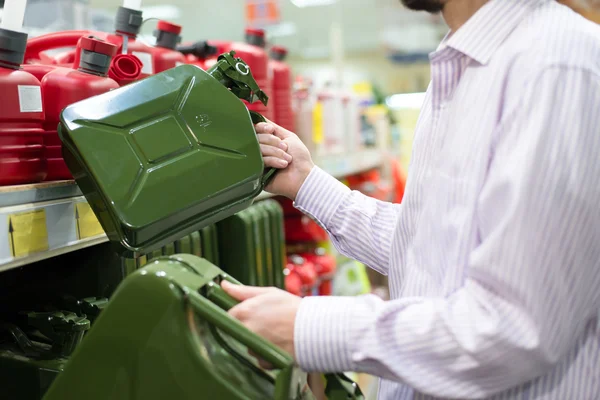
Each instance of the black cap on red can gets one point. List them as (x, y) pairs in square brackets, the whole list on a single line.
[(256, 37), (96, 55), (278, 53), (167, 34), (128, 21), (12, 48)]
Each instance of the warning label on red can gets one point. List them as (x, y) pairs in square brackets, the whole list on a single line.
[(30, 98)]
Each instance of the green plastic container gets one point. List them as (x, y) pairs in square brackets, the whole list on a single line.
[(180, 343), (237, 233), (167, 155)]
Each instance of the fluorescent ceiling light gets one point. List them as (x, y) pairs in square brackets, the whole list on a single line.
[(312, 3), (405, 100)]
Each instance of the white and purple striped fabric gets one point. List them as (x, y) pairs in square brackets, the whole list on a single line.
[(494, 255)]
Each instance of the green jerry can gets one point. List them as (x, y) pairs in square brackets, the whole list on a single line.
[(277, 239), (236, 247), (184, 245), (180, 343), (210, 239), (258, 234), (196, 240), (169, 249), (267, 243), (34, 351), (167, 155)]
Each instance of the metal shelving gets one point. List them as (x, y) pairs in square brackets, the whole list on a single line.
[(45, 220)]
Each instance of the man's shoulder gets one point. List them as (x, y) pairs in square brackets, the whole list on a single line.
[(555, 36), (552, 36)]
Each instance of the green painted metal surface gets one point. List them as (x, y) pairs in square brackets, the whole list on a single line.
[(169, 249), (165, 334), (264, 221), (258, 236), (237, 249), (277, 239), (196, 240), (184, 245), (168, 155)]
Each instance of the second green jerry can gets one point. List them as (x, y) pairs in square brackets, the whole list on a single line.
[(168, 155)]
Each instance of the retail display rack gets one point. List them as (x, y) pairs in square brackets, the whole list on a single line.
[(44, 220)]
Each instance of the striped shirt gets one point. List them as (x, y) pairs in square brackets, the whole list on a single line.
[(493, 257)]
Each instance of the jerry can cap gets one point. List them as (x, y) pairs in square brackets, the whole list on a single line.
[(167, 34), (255, 37), (12, 48), (278, 53), (128, 21), (97, 45), (168, 27)]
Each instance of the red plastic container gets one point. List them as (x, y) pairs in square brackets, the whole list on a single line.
[(325, 265), (303, 271), (64, 86), (21, 116), (164, 54), (282, 88), (128, 22)]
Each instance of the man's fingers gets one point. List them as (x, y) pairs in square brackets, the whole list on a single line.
[(263, 364), (271, 128), (267, 150), (241, 292), (274, 162), (272, 140)]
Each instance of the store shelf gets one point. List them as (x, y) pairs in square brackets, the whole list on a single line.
[(343, 165), (45, 220)]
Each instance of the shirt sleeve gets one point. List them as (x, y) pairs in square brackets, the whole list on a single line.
[(531, 289), (360, 227)]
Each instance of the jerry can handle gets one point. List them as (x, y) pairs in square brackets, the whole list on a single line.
[(270, 174), (216, 316)]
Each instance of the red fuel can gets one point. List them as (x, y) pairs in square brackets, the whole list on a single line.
[(164, 54), (21, 115), (127, 26), (64, 86), (325, 265), (282, 88)]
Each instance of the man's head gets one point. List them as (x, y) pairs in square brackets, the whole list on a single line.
[(432, 6)]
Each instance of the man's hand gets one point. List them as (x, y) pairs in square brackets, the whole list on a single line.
[(284, 150), (268, 312)]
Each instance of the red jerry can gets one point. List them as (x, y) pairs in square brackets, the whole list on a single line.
[(21, 115)]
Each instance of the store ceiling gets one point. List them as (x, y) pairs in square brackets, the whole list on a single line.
[(305, 31)]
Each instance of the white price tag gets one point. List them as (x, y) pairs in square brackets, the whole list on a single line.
[(146, 59), (30, 98)]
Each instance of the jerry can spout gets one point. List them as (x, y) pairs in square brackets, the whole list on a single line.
[(235, 74)]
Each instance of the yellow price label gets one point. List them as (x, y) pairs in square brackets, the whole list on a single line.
[(87, 223), (27, 232), (318, 135)]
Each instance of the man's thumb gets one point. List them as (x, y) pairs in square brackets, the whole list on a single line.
[(241, 292)]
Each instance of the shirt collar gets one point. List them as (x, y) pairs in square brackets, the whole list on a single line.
[(487, 29)]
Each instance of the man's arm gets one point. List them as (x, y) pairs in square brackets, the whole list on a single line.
[(532, 284), (359, 226)]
